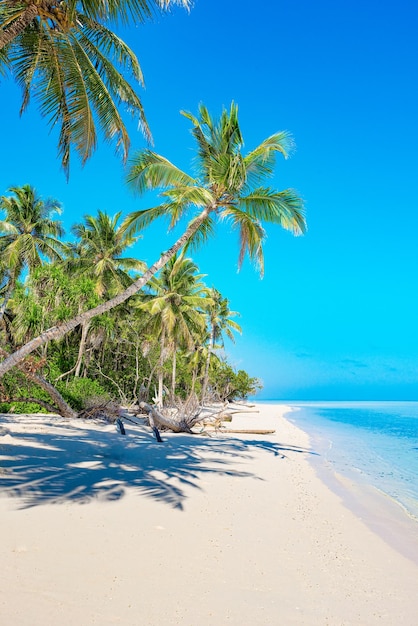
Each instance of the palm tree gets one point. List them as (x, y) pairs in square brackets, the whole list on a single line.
[(17, 16), (228, 186), (98, 252), (62, 53), (28, 234), (98, 255), (219, 322), (176, 307)]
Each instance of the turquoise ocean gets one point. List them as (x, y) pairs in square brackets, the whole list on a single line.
[(374, 443)]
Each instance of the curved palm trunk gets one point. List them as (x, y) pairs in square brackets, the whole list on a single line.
[(57, 332), (63, 407), (18, 26)]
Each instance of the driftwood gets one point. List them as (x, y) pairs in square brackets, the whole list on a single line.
[(248, 431), (177, 426)]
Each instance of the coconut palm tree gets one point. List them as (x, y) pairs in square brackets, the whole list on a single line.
[(98, 255), (27, 234), (220, 322), (228, 186), (176, 304), (102, 241), (62, 53), (17, 16)]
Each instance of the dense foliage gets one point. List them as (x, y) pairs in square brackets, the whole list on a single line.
[(156, 344)]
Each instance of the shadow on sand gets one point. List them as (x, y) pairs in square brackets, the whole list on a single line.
[(50, 460)]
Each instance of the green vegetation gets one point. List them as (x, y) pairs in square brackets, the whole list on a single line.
[(99, 323), (228, 187), (63, 55)]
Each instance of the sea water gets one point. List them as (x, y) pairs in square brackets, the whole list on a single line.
[(375, 443)]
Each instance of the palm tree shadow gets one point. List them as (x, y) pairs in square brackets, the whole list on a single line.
[(51, 461)]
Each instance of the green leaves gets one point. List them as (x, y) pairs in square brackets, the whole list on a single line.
[(78, 79), (228, 184)]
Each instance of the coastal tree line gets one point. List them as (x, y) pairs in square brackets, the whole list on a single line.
[(86, 314), (165, 341)]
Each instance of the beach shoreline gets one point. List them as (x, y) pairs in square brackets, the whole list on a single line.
[(382, 513), (230, 529)]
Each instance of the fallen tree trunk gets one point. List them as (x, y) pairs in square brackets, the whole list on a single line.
[(177, 426)]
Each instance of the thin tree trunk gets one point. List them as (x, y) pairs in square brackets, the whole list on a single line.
[(173, 373), (56, 332), (161, 372), (206, 375), (84, 330), (63, 408), (194, 377), (18, 26), (10, 288)]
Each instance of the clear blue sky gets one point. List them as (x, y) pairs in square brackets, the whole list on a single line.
[(335, 316)]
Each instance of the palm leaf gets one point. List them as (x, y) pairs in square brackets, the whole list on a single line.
[(251, 237), (148, 170), (285, 208)]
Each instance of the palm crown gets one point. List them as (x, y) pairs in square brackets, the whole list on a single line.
[(228, 185), (62, 53)]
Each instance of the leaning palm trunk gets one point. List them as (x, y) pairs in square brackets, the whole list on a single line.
[(63, 408), (59, 331)]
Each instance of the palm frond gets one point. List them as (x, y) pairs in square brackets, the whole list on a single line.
[(205, 231), (148, 170), (260, 162), (138, 220), (251, 237), (285, 208)]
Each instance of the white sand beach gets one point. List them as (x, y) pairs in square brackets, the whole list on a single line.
[(98, 528)]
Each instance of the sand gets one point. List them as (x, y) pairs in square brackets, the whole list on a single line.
[(97, 528)]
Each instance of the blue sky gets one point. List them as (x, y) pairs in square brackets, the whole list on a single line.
[(335, 315)]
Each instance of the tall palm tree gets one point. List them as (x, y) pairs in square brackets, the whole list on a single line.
[(227, 186), (176, 304), (98, 254), (220, 322), (102, 241), (62, 53), (27, 234)]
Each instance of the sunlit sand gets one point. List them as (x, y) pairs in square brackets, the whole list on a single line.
[(100, 528)]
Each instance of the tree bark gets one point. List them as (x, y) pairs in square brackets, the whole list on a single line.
[(59, 331), (9, 291), (84, 331), (173, 373), (206, 375), (18, 26), (174, 425), (161, 371), (62, 407)]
